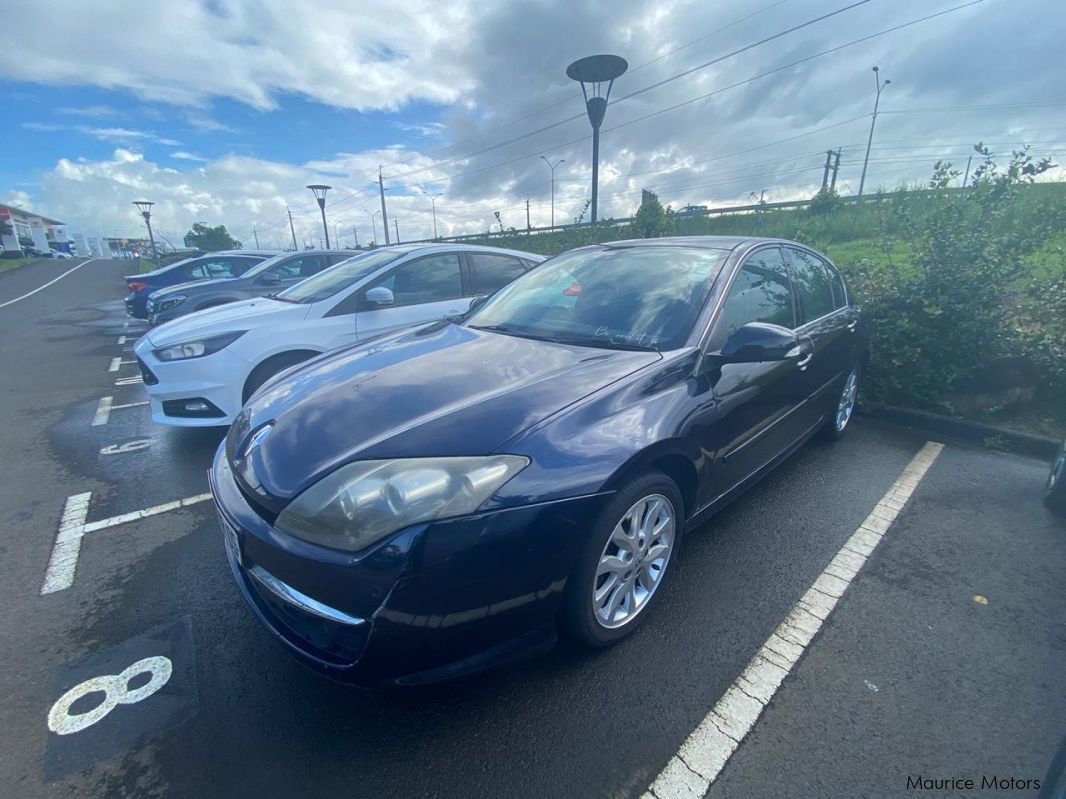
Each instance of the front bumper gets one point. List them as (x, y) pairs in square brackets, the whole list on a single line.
[(429, 602), (217, 379), (136, 305)]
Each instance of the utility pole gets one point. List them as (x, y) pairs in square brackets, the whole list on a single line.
[(836, 167), (825, 172), (256, 237), (295, 246), (966, 177), (336, 238), (529, 228), (873, 121), (356, 232), (384, 215), (396, 224)]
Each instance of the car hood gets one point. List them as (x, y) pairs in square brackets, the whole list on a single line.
[(180, 287), (442, 390), (247, 315)]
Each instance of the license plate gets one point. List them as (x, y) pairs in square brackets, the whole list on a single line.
[(233, 544)]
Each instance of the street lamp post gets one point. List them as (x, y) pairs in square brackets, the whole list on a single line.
[(373, 223), (320, 194), (433, 204), (592, 72), (145, 208), (552, 168), (873, 121)]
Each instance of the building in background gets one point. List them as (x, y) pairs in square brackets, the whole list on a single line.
[(20, 228)]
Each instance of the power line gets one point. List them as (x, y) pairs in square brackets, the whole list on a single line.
[(571, 98), (656, 85), (712, 93)]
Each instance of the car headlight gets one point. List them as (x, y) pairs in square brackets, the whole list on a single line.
[(198, 348), (365, 501), (169, 302)]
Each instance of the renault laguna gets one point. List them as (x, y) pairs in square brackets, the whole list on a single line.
[(449, 498)]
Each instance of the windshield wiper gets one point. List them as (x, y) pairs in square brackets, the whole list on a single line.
[(279, 298)]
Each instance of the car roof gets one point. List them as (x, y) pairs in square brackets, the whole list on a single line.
[(449, 246), (707, 242)]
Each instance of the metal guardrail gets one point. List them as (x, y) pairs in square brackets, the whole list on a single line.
[(709, 212)]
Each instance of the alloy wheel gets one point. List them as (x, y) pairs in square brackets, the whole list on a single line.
[(846, 406), (634, 561)]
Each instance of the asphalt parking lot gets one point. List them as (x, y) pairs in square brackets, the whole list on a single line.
[(945, 657)]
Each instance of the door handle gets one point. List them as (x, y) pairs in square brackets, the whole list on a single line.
[(802, 363), (853, 326)]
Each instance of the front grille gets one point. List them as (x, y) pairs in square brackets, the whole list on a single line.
[(147, 374)]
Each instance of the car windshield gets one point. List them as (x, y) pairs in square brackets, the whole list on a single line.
[(338, 277), (616, 297)]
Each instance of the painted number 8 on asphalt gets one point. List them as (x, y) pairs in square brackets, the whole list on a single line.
[(115, 688)]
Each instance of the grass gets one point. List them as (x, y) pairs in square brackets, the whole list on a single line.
[(10, 264)]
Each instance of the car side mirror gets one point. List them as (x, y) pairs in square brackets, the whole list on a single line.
[(757, 342), (270, 279), (379, 295)]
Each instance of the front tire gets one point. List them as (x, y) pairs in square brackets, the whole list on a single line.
[(1055, 487), (621, 569), (270, 367)]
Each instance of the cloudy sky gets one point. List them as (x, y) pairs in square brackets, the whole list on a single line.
[(221, 111)]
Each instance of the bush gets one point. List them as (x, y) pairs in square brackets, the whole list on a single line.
[(938, 320)]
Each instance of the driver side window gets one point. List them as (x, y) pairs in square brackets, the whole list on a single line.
[(761, 292), (435, 278)]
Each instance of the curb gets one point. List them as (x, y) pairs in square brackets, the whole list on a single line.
[(1011, 440)]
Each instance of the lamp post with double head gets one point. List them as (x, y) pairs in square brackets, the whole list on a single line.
[(873, 121), (552, 167), (373, 223), (433, 205), (593, 73), (145, 208), (320, 194)]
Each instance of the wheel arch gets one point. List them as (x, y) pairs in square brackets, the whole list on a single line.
[(279, 361), (668, 457)]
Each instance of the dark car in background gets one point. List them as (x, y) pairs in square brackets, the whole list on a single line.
[(445, 499), (227, 263), (266, 277)]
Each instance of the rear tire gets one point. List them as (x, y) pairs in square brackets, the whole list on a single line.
[(1055, 487), (626, 558), (270, 367), (837, 423)]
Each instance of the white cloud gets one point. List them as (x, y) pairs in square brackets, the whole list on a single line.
[(184, 156), (125, 136), (89, 111), (372, 55)]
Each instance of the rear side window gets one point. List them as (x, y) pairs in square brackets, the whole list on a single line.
[(818, 287), (302, 266), (760, 293), (435, 278), (219, 267), (492, 272)]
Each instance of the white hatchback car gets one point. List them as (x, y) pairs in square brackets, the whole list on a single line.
[(200, 369)]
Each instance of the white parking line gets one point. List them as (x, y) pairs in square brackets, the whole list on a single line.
[(121, 339), (73, 527), (106, 405), (49, 283), (115, 363), (129, 381), (65, 551), (692, 771), (103, 411)]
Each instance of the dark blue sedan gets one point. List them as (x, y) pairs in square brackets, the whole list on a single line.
[(446, 499), (213, 266)]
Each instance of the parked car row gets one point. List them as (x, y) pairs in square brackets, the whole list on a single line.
[(442, 455)]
